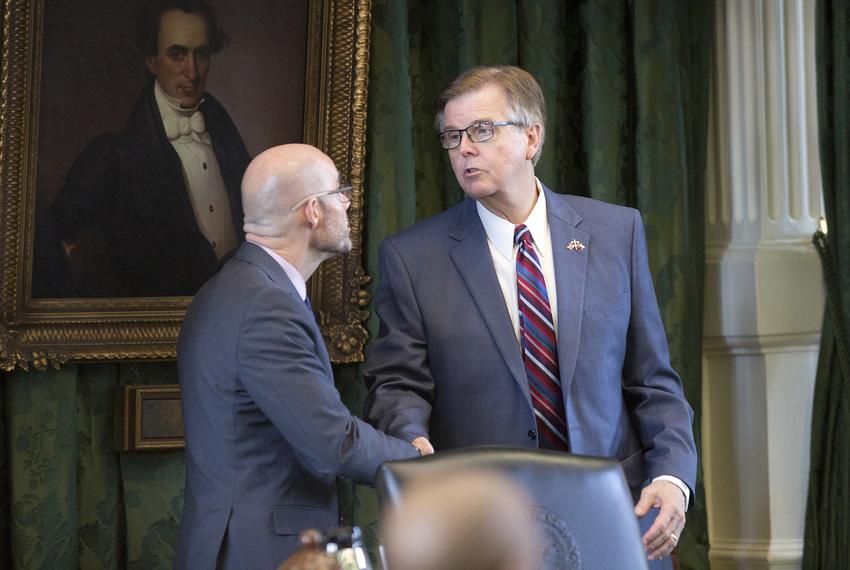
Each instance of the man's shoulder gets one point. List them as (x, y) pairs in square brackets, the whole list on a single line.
[(592, 213), (434, 229), (591, 207), (239, 283)]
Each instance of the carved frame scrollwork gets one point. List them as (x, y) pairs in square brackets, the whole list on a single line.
[(38, 333)]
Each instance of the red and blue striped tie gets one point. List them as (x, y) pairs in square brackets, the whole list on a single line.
[(539, 347)]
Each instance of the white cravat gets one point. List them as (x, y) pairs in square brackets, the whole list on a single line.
[(186, 131), (182, 128)]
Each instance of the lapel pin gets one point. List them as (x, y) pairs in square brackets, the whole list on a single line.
[(575, 245)]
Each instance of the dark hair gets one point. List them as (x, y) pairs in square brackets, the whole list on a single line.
[(150, 12)]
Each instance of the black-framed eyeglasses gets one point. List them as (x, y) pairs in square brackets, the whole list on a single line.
[(478, 131), (344, 193)]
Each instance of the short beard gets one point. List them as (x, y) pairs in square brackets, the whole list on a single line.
[(331, 242)]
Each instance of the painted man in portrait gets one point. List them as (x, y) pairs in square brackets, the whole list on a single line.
[(152, 210)]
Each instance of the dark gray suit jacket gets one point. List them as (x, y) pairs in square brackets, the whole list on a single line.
[(266, 432), (447, 363)]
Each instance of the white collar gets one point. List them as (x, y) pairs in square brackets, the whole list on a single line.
[(500, 231), (170, 106)]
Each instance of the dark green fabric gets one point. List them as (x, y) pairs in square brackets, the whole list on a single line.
[(827, 535), (626, 85), (74, 502)]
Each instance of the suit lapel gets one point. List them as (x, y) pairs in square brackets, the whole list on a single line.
[(254, 254), (570, 274), (164, 202), (472, 259)]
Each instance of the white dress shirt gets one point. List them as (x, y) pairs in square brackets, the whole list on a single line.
[(503, 251), (187, 134)]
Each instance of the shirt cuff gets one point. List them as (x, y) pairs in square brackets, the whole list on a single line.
[(678, 482)]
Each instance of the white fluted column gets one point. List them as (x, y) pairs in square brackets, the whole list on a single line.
[(764, 289)]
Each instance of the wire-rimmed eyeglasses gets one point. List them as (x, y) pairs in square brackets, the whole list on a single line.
[(344, 193), (478, 131)]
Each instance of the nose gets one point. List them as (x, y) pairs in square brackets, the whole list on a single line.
[(190, 66), (466, 146)]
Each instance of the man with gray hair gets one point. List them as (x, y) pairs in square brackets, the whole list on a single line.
[(266, 431), (527, 318)]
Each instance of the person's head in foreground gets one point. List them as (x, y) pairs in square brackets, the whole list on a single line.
[(470, 521)]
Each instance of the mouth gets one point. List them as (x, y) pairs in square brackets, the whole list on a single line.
[(471, 171)]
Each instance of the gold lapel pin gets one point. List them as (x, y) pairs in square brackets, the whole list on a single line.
[(575, 245)]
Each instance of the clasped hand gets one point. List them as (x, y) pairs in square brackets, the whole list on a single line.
[(423, 445)]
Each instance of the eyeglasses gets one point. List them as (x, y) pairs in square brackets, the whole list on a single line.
[(344, 193), (477, 132)]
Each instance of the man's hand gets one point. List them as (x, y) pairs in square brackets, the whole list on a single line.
[(662, 536), (423, 445)]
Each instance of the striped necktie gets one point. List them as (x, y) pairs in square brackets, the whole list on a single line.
[(539, 347)]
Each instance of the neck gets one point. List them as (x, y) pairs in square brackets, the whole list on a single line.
[(302, 259), (513, 207), (164, 100)]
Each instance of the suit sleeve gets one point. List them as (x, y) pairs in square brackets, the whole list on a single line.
[(401, 387), (652, 389), (281, 370)]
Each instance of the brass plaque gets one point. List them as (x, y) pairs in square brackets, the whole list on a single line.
[(148, 418)]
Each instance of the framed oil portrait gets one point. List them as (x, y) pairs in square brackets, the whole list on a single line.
[(97, 256)]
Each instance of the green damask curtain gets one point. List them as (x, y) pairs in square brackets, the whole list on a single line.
[(627, 89), (70, 501), (827, 536)]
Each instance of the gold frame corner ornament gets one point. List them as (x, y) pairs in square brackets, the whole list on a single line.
[(41, 333)]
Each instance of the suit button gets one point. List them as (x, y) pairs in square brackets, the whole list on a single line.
[(532, 434)]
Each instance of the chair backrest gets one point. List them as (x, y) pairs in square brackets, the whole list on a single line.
[(581, 504)]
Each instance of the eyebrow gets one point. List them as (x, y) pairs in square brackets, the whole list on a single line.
[(448, 127), (181, 47)]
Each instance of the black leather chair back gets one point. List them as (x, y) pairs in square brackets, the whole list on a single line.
[(581, 504)]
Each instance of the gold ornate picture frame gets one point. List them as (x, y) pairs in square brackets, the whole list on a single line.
[(42, 332)]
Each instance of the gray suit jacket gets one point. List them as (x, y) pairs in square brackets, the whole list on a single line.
[(266, 432), (446, 362)]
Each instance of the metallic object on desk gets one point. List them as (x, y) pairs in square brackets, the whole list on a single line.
[(346, 544)]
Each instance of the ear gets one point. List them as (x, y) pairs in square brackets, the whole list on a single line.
[(150, 63), (533, 134), (313, 212)]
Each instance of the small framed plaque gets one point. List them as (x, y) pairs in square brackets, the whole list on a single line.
[(148, 418)]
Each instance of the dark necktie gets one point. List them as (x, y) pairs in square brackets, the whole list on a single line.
[(539, 347)]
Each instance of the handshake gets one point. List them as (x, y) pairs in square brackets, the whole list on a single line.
[(423, 445)]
